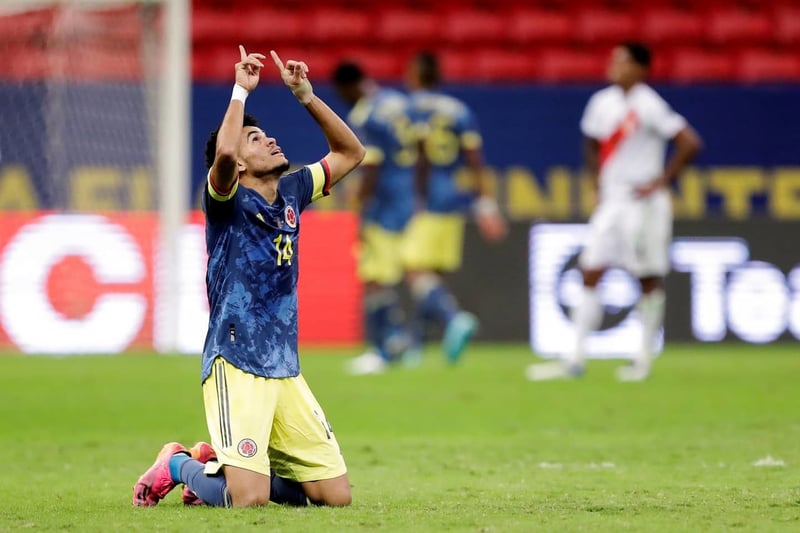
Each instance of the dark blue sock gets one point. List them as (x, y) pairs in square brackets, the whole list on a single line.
[(378, 309), (287, 492), (213, 490), (375, 325), (395, 338), (438, 305)]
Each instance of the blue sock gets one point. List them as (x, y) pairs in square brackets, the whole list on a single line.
[(213, 490), (288, 492), (175, 464), (378, 309), (438, 305), (395, 338)]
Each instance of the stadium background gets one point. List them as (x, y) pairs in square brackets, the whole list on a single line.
[(526, 68)]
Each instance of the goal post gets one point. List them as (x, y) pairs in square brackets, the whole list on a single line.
[(95, 119), (173, 166)]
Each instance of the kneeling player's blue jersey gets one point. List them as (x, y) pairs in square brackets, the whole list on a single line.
[(382, 123), (447, 126), (252, 273)]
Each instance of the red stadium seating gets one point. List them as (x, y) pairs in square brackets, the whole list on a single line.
[(467, 26), (272, 27), (787, 24), (594, 24), (118, 23), (22, 62), (213, 63), (320, 61), (407, 25), (26, 25), (539, 26), (693, 65), (106, 64), (669, 25), (381, 64), (337, 25), (759, 65), (562, 64), (210, 26), (487, 40), (500, 64), (457, 65), (735, 25)]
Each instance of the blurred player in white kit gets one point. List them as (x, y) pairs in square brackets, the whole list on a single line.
[(627, 127)]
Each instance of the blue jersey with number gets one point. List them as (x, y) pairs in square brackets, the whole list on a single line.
[(447, 126), (385, 129), (252, 273)]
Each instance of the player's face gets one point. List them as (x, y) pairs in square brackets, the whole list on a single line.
[(261, 154), (622, 69)]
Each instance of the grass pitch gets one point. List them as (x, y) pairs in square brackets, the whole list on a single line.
[(472, 448)]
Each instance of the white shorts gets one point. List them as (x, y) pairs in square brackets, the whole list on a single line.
[(633, 235)]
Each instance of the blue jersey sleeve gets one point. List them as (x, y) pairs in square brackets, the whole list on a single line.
[(307, 184)]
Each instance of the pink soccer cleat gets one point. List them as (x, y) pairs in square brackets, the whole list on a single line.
[(203, 452), (156, 482)]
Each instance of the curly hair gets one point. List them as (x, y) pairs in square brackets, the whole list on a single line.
[(211, 143)]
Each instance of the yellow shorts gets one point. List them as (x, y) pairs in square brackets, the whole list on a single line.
[(259, 423), (380, 255), (434, 241)]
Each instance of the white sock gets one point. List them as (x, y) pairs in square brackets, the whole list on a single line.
[(651, 312), (586, 317)]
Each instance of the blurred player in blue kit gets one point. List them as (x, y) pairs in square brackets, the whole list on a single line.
[(448, 139), (380, 118), (270, 440)]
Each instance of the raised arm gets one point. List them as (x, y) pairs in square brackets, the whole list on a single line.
[(224, 172), (687, 145), (346, 151)]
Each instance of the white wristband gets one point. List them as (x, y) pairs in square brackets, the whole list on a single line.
[(485, 206), (239, 93)]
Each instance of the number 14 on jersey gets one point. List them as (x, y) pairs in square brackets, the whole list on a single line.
[(283, 245)]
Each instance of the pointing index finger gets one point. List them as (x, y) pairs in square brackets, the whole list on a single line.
[(242, 52), (276, 59)]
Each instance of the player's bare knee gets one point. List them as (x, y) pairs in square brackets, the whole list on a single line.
[(250, 500), (330, 492), (247, 488), (335, 498), (340, 500), (249, 496)]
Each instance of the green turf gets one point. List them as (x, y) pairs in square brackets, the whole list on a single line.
[(472, 448)]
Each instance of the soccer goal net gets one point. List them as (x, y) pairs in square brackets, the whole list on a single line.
[(94, 100)]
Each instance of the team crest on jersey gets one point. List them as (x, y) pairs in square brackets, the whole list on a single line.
[(247, 448), (291, 217)]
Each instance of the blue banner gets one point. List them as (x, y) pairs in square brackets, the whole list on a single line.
[(65, 148)]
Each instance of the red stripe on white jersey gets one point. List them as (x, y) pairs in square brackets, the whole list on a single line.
[(610, 144)]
